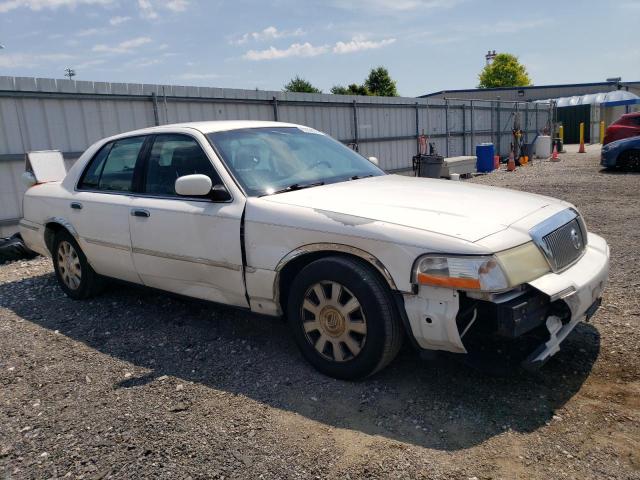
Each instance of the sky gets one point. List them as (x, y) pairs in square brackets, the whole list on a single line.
[(427, 45)]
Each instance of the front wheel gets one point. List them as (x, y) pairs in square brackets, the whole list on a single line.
[(343, 318)]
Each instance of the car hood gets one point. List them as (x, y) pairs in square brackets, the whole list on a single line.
[(462, 210)]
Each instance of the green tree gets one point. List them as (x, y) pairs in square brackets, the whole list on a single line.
[(298, 84), (379, 83), (353, 89), (504, 71)]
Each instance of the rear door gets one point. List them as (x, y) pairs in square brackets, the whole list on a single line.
[(190, 246), (100, 207)]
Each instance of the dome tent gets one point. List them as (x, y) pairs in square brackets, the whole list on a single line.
[(606, 99), (591, 109)]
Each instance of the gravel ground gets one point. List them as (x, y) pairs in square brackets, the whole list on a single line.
[(135, 384)]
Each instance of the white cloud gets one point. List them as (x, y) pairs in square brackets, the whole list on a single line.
[(36, 5), (306, 49), (269, 33), (294, 50), (123, 47), (119, 20), (149, 8), (177, 5), (359, 44), (395, 5), (27, 60)]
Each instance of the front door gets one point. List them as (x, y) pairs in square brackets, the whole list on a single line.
[(190, 246)]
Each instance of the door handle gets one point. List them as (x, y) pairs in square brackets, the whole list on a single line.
[(140, 213), (76, 205)]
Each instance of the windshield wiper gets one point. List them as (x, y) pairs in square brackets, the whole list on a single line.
[(295, 186), (358, 177)]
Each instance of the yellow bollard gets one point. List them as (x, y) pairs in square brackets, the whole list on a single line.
[(601, 131), (581, 149), (561, 133)]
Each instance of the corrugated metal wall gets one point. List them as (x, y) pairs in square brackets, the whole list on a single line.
[(43, 114)]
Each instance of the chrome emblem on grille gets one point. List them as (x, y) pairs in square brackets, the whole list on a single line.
[(575, 239)]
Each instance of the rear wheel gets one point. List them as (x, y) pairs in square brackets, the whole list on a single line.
[(75, 276), (343, 318)]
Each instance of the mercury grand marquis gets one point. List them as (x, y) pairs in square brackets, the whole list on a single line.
[(283, 220)]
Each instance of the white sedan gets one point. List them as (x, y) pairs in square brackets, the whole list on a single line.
[(283, 220)]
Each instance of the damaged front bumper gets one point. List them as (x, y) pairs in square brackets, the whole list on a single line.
[(439, 318)]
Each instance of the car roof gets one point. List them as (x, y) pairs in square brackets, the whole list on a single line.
[(213, 126)]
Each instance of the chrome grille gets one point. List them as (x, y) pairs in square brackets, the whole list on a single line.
[(562, 238), (565, 244)]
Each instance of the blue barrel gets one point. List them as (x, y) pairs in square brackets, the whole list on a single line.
[(485, 154)]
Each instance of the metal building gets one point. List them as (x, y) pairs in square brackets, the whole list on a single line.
[(537, 92)]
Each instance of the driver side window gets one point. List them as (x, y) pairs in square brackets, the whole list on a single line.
[(173, 156)]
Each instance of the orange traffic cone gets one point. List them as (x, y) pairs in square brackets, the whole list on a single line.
[(554, 155), (581, 149), (496, 162), (511, 163)]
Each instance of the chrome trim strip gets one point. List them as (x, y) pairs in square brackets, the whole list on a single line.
[(330, 247), (102, 243), (183, 258), (23, 223), (561, 295)]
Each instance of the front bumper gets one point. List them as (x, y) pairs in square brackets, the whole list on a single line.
[(580, 288), (608, 159), (432, 313)]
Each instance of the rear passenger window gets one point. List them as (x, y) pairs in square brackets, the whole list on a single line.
[(112, 168), (173, 156), (91, 176)]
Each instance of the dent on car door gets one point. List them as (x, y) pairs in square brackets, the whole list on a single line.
[(190, 246), (99, 208)]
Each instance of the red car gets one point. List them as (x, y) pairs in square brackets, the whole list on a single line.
[(626, 126)]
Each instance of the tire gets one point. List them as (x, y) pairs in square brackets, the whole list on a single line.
[(629, 160), (353, 331), (75, 276)]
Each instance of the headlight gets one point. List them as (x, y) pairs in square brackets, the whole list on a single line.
[(462, 273), (487, 273), (523, 263)]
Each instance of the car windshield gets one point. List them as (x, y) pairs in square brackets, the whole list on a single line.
[(271, 160)]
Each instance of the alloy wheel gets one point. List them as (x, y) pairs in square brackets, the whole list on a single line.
[(69, 265), (333, 321)]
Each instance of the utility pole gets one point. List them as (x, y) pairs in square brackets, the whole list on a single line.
[(490, 56), (69, 72)]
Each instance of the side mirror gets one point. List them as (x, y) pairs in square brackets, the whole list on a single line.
[(196, 185), (374, 160), (219, 193)]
